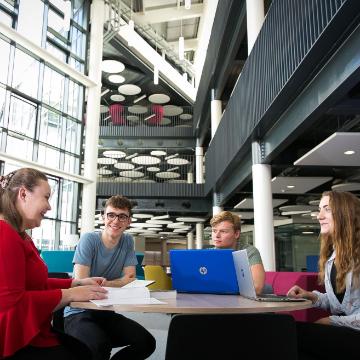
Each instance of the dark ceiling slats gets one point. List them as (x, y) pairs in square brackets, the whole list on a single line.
[(297, 37)]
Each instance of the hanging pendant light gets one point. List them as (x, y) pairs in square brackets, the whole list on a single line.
[(131, 28), (187, 4), (131, 33), (181, 43), (156, 67), (181, 48), (156, 75)]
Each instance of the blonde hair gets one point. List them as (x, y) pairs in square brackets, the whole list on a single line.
[(9, 188), (345, 239), (227, 216)]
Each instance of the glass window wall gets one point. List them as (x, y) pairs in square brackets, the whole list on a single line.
[(41, 110), (53, 88), (26, 74), (4, 60), (31, 26)]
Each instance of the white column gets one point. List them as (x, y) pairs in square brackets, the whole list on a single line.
[(190, 177), (199, 155), (92, 116), (216, 113), (190, 240), (216, 207), (263, 214), (255, 15), (199, 235)]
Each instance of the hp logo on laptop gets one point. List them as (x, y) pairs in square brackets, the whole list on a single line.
[(203, 270)]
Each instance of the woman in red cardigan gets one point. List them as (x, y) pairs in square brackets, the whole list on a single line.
[(27, 296)]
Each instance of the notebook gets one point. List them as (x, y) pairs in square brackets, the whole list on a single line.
[(245, 281), (203, 271)]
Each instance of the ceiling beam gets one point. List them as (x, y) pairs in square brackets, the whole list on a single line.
[(161, 15)]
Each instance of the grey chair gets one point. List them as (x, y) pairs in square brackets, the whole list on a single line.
[(231, 336)]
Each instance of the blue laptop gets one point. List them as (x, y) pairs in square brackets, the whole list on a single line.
[(207, 271)]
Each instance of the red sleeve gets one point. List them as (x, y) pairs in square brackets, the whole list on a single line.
[(25, 304), (59, 283)]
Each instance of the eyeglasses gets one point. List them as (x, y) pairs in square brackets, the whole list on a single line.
[(121, 217)]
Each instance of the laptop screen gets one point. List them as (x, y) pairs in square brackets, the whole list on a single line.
[(209, 271)]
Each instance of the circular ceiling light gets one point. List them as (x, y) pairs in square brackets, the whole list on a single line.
[(190, 219), (159, 98), (141, 225), (172, 110), (167, 175), (176, 225), (133, 118), (124, 166), (178, 161), (142, 216), (295, 212), (153, 169), (158, 153), (144, 181), (116, 154), (122, 179), (165, 121), (178, 181), (146, 160), (116, 79), (350, 186), (138, 109), (104, 109), (158, 222), (132, 173), (112, 66), (129, 89), (106, 161), (303, 208), (104, 171), (185, 116), (117, 97)]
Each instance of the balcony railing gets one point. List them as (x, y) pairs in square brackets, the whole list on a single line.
[(297, 37), (142, 121)]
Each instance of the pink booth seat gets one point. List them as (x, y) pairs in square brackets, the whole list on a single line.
[(283, 281)]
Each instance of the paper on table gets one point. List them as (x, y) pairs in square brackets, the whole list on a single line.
[(138, 283), (136, 295)]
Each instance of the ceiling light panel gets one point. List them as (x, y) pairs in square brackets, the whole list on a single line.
[(248, 203), (302, 184), (331, 151)]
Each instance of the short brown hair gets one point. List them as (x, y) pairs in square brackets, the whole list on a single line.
[(119, 202), (227, 216), (9, 188)]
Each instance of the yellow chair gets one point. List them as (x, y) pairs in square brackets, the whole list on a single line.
[(157, 273)]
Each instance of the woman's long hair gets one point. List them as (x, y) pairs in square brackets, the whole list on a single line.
[(9, 188), (345, 240)]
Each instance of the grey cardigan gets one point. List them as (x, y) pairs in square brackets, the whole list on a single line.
[(346, 313)]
